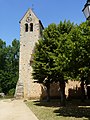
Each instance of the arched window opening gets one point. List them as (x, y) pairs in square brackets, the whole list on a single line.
[(31, 26), (26, 27)]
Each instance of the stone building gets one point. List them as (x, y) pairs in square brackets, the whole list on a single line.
[(30, 32)]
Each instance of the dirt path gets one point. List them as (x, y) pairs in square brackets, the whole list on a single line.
[(15, 110)]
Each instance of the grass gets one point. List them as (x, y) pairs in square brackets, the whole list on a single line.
[(74, 110), (6, 97)]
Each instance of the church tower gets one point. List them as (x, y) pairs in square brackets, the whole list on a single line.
[(30, 32)]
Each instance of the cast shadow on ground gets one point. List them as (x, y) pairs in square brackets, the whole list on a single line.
[(75, 109), (52, 103), (73, 112)]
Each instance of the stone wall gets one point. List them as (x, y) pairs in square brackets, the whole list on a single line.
[(72, 90), (28, 38)]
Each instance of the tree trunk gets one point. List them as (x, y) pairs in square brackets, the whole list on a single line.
[(48, 92), (82, 89), (62, 93)]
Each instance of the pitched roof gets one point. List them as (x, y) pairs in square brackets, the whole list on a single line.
[(34, 14)]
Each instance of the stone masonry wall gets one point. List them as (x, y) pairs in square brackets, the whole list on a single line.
[(27, 43)]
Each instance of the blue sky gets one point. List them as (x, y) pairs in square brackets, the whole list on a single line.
[(48, 11)]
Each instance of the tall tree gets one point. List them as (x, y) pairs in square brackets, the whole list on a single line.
[(50, 58), (10, 66), (43, 57), (2, 60), (80, 63), (62, 54)]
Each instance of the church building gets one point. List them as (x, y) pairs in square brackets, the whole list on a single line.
[(30, 32)]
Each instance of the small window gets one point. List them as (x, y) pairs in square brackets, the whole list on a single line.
[(31, 26), (26, 27)]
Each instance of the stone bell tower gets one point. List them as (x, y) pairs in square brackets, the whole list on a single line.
[(30, 32)]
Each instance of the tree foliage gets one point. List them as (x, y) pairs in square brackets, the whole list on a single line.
[(63, 53), (51, 55), (9, 66), (52, 52), (80, 59), (80, 38)]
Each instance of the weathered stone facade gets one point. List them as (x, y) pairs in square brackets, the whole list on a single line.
[(30, 32)]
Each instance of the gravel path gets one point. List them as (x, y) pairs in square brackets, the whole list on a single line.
[(15, 110)]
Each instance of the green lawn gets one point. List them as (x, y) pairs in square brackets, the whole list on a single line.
[(74, 110)]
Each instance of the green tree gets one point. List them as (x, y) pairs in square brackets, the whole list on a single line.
[(2, 59), (80, 59), (10, 67), (63, 56), (43, 57), (51, 56)]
